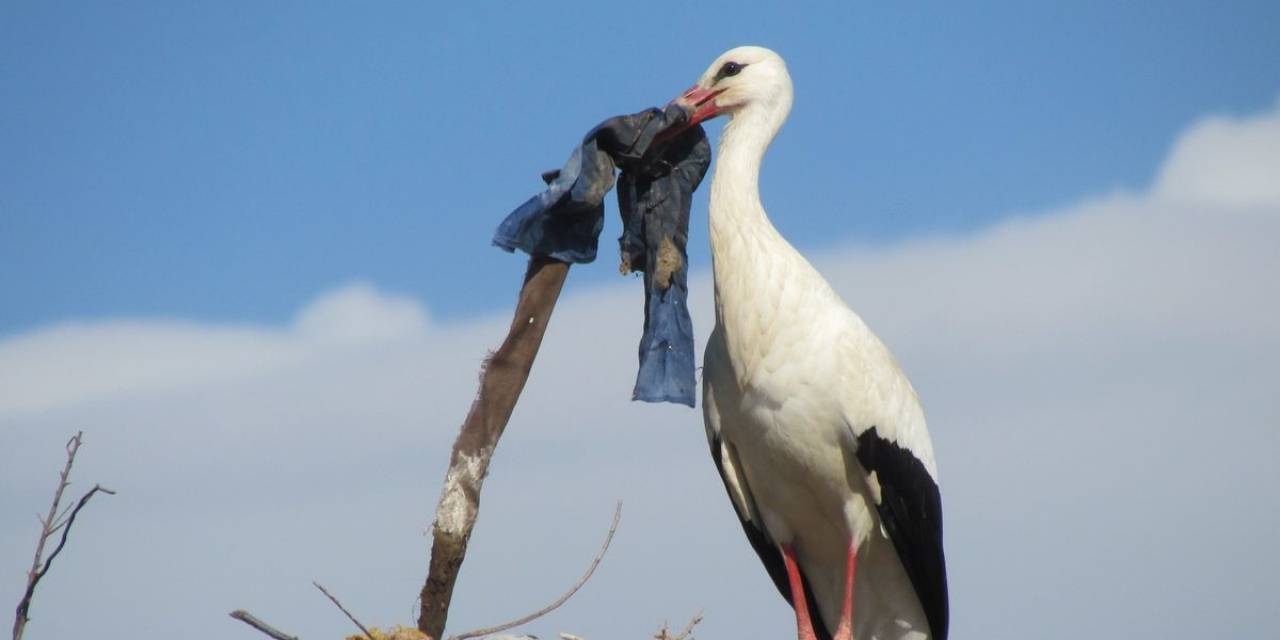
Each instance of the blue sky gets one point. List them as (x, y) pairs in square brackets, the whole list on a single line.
[(230, 161), (245, 249)]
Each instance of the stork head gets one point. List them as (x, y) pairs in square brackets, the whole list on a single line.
[(741, 79)]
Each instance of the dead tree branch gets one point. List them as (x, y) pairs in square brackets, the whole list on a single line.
[(343, 609), (251, 620), (49, 526), (613, 528), (503, 379)]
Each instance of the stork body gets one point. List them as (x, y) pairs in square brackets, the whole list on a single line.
[(816, 431)]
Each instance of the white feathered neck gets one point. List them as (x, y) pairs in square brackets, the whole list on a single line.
[(735, 186), (763, 286)]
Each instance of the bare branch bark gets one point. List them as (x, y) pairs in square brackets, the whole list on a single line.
[(343, 609), (613, 528), (49, 526), (503, 379), (251, 620)]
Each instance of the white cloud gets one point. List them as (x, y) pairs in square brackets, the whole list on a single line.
[(359, 313), (1099, 380), (75, 362), (1225, 161)]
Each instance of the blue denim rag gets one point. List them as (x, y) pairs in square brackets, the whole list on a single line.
[(662, 161)]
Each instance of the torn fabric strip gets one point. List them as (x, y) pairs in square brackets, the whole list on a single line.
[(661, 163)]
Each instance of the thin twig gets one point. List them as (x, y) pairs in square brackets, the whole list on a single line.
[(343, 609), (48, 526), (688, 628), (34, 575), (663, 634), (613, 528), (62, 519), (66, 530), (251, 620)]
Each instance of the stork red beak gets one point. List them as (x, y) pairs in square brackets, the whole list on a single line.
[(700, 102)]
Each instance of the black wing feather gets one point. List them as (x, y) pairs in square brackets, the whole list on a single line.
[(911, 511), (769, 554)]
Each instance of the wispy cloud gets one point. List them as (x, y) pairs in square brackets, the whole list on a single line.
[(72, 363), (1099, 380), (1225, 161)]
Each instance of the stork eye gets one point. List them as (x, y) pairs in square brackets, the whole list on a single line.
[(730, 69)]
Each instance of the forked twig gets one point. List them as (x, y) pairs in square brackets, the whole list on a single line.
[(66, 527), (49, 525), (613, 528), (343, 609)]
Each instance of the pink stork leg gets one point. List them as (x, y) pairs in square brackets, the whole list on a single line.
[(845, 630), (804, 625)]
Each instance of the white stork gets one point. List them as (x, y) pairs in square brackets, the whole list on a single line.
[(814, 428)]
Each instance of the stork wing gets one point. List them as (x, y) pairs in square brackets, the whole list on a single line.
[(735, 483), (910, 509), (769, 554)]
